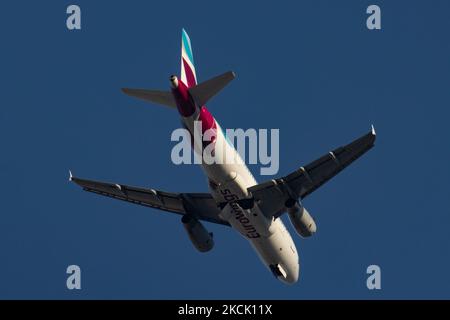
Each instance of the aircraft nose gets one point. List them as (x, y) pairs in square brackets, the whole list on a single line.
[(287, 274), (295, 274), (292, 275)]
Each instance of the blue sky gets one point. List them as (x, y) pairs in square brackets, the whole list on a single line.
[(310, 68)]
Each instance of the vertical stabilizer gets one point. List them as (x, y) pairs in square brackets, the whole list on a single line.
[(188, 75)]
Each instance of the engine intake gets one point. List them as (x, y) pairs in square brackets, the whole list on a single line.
[(300, 218), (199, 236)]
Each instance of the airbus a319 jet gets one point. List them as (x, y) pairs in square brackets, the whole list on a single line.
[(235, 199)]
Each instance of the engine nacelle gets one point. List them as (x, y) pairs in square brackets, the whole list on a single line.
[(300, 218), (200, 237)]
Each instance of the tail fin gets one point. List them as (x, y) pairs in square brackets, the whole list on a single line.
[(200, 93), (188, 75)]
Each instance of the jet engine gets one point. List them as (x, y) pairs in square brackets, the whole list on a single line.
[(200, 237), (300, 218)]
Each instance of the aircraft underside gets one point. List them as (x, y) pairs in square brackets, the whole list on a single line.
[(235, 199)]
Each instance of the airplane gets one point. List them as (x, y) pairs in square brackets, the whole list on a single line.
[(234, 199)]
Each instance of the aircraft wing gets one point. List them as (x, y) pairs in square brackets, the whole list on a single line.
[(272, 195), (200, 205)]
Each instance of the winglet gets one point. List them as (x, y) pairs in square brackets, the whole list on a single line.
[(70, 175), (373, 131)]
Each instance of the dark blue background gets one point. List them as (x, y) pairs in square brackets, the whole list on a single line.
[(310, 68)]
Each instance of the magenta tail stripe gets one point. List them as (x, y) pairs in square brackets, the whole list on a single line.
[(189, 74)]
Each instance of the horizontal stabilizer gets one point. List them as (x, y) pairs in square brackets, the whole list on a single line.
[(204, 91), (164, 98)]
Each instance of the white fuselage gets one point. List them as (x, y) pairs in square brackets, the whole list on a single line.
[(229, 182)]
